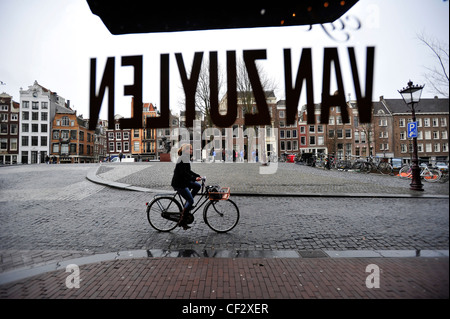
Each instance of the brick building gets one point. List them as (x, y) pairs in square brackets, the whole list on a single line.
[(118, 140), (71, 140), (391, 117), (9, 130)]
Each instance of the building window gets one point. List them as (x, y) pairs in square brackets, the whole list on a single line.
[(25, 116), (55, 148), (26, 104), (111, 146), (4, 144), (44, 105), (302, 140), (13, 144), (44, 116), (404, 148), (126, 146), (35, 116), (25, 140), (382, 122), (320, 140), (34, 141), (43, 140), (348, 133), (4, 128), (426, 122), (35, 105), (436, 135), (65, 121)]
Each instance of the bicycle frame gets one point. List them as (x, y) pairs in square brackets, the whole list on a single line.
[(203, 196)]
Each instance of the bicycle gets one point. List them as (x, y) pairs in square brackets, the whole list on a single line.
[(221, 214), (383, 167), (430, 175)]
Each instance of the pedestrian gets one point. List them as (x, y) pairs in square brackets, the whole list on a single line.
[(184, 181), (47, 159), (120, 156)]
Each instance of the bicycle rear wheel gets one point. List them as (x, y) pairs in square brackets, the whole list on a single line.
[(405, 172), (366, 168), (163, 213), (221, 215), (385, 168)]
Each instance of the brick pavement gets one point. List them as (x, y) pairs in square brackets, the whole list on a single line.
[(242, 278)]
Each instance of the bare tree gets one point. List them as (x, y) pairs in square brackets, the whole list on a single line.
[(244, 86), (203, 95), (437, 76)]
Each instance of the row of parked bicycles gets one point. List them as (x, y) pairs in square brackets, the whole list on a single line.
[(370, 164)]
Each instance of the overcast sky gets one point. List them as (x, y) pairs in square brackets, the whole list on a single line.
[(52, 42)]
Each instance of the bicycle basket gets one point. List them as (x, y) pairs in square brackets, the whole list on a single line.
[(218, 193)]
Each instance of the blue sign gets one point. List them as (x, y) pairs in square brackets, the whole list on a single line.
[(412, 130)]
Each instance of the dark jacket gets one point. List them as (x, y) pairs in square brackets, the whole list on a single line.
[(182, 174)]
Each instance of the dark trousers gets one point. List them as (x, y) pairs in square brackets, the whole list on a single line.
[(188, 195)]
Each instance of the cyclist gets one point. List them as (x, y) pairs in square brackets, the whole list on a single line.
[(184, 180)]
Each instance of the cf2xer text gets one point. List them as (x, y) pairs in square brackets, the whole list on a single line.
[(247, 308)]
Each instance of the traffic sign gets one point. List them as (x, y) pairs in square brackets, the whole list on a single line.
[(412, 130)]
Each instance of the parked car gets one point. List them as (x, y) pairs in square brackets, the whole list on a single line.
[(441, 166), (396, 163)]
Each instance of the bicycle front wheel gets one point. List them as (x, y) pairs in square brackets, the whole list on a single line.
[(385, 168), (432, 175), (163, 213), (221, 215)]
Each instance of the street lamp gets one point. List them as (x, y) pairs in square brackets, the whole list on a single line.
[(411, 95)]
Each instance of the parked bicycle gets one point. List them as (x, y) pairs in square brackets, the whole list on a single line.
[(221, 214), (381, 166), (430, 175)]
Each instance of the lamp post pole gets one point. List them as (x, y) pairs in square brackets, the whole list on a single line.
[(416, 183), (411, 95)]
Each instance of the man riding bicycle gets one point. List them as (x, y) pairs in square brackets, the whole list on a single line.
[(184, 180)]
